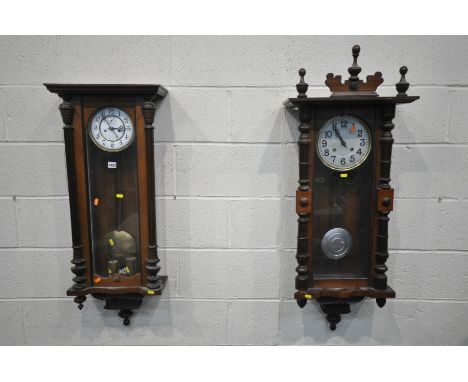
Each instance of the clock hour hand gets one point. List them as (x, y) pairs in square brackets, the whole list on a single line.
[(337, 133), (112, 129)]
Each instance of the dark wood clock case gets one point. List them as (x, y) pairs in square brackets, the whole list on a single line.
[(133, 183), (362, 198)]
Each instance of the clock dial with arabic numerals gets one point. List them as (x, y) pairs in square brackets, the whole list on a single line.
[(343, 143), (111, 129)]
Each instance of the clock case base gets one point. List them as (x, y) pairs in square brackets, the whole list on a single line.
[(336, 301), (125, 303)]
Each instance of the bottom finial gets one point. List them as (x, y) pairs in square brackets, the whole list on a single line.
[(301, 303), (79, 300), (380, 302), (126, 314), (333, 319)]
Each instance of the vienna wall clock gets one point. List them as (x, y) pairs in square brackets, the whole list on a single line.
[(109, 151), (344, 195)]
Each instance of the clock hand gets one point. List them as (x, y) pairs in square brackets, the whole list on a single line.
[(337, 133), (111, 128)]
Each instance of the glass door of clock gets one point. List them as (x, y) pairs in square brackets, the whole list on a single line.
[(113, 197), (343, 205)]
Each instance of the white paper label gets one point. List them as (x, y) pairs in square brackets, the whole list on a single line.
[(111, 164)]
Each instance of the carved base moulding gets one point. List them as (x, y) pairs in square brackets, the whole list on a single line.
[(121, 298), (338, 300)]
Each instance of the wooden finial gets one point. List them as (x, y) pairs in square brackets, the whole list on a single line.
[(355, 69), (302, 86), (402, 86)]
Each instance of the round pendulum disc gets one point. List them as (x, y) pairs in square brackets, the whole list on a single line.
[(336, 243)]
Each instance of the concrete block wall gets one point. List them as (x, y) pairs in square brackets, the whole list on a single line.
[(226, 179)]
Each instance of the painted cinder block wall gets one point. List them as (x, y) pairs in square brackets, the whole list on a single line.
[(226, 179)]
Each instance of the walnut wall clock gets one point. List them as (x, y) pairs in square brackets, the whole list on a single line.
[(344, 195), (109, 152)]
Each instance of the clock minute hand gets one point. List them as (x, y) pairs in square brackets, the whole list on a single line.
[(113, 130), (337, 133)]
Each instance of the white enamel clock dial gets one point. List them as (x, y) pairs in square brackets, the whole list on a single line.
[(343, 143), (111, 129)]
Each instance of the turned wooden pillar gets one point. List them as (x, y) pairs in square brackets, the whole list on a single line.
[(386, 143), (67, 111), (148, 110)]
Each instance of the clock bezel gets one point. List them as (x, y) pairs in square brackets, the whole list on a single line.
[(344, 169), (91, 118)]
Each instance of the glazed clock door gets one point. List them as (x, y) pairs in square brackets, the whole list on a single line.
[(111, 149), (343, 176)]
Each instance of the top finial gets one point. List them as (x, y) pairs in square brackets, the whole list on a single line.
[(402, 86), (355, 69), (302, 86)]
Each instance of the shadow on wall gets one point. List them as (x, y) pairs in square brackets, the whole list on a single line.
[(359, 326)]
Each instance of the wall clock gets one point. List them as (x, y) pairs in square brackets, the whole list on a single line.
[(344, 195), (109, 151)]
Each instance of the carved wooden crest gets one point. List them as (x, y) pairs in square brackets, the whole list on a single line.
[(354, 85)]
